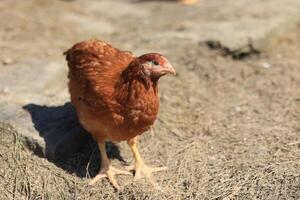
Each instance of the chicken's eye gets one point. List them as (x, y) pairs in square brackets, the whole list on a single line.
[(155, 62)]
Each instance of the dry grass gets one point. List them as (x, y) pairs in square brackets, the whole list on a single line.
[(227, 129), (211, 165)]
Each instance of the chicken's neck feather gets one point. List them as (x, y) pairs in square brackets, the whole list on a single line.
[(134, 84), (138, 103)]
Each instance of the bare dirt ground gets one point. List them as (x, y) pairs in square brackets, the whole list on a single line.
[(227, 129)]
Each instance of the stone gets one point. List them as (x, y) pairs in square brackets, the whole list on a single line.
[(37, 107), (7, 61), (49, 131)]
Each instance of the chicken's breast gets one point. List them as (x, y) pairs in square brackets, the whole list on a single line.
[(94, 69)]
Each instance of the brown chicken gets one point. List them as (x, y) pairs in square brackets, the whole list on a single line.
[(115, 97)]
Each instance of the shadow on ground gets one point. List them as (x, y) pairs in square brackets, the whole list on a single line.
[(68, 145)]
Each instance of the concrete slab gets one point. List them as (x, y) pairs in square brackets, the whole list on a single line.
[(34, 100), (234, 24)]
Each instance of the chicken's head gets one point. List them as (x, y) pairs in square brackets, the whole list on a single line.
[(154, 65)]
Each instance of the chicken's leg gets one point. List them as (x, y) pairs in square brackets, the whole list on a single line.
[(141, 170), (106, 169)]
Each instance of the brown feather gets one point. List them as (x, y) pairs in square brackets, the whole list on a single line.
[(114, 100)]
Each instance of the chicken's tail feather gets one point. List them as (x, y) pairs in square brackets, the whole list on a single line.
[(66, 53)]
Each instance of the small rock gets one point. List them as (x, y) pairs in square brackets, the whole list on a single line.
[(4, 91), (237, 108), (183, 26), (7, 61), (266, 65)]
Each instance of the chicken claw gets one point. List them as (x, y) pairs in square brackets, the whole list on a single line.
[(110, 174), (141, 170), (107, 170)]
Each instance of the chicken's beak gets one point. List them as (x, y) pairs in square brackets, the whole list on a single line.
[(168, 69)]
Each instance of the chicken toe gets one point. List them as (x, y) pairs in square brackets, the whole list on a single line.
[(107, 170), (141, 170), (110, 174)]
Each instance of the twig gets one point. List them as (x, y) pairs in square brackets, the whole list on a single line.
[(88, 164), (294, 143)]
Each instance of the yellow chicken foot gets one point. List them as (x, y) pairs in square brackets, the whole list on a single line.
[(107, 170), (141, 170)]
